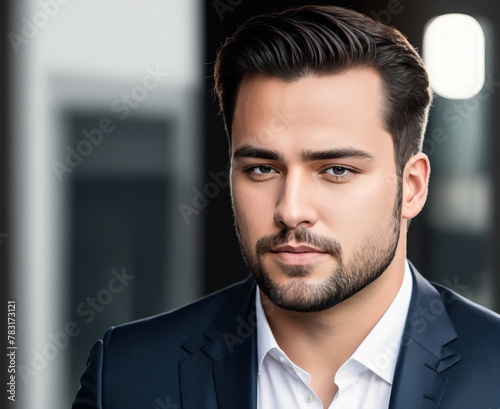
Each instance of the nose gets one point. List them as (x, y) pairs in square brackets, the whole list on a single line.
[(296, 206)]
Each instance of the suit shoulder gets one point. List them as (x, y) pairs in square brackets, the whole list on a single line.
[(180, 323), (469, 317)]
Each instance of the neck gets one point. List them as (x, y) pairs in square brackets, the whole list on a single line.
[(326, 339)]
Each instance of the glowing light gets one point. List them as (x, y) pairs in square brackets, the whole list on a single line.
[(454, 53)]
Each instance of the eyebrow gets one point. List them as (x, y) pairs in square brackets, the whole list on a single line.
[(340, 153), (248, 151)]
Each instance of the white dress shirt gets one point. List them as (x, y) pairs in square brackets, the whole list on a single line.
[(364, 381)]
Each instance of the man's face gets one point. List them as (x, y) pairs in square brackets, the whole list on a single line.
[(314, 186)]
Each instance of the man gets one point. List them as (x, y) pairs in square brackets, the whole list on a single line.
[(325, 110)]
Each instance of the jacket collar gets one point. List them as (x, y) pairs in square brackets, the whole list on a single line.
[(221, 370), (420, 379)]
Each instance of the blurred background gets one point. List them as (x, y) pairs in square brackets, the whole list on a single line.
[(114, 183)]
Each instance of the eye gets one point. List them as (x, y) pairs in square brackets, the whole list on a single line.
[(260, 173), (338, 171), (261, 170)]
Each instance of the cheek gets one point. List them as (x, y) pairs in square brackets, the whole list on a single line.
[(253, 211), (358, 210), (377, 205)]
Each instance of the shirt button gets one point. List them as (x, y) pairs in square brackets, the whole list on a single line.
[(294, 371), (309, 398), (282, 359)]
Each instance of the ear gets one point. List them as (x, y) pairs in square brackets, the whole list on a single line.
[(415, 185)]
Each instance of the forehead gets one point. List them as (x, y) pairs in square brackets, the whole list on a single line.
[(345, 108)]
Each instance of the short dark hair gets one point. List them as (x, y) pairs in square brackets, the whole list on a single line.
[(326, 40)]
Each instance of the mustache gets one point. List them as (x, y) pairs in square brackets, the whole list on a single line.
[(302, 236)]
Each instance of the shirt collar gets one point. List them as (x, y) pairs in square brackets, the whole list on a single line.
[(379, 350), (265, 338)]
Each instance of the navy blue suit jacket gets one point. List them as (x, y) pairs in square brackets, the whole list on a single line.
[(203, 356)]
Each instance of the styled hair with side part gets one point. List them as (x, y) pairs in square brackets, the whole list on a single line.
[(325, 40)]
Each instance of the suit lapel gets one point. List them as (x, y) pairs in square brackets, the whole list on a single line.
[(196, 382), (221, 370), (420, 380), (236, 377)]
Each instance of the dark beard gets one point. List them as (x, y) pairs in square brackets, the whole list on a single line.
[(369, 260)]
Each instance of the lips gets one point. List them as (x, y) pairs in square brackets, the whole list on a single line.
[(297, 255), (295, 249)]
